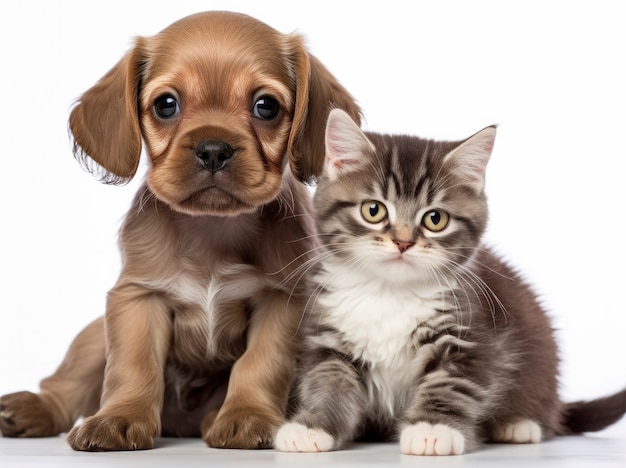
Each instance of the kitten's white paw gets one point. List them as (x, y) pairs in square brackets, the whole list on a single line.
[(428, 439), (520, 432), (294, 437)]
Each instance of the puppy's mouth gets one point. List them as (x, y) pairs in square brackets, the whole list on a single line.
[(214, 200)]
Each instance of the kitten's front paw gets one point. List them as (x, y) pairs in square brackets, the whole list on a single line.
[(525, 431), (428, 439), (294, 437)]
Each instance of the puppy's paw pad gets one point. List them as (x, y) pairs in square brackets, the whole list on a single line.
[(294, 437), (428, 439), (525, 431)]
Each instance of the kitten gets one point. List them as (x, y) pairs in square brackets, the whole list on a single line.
[(415, 329)]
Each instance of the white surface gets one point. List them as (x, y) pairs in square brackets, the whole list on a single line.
[(607, 449), (551, 73)]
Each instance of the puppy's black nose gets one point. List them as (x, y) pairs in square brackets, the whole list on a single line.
[(214, 154)]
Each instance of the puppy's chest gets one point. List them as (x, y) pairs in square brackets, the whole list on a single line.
[(210, 313)]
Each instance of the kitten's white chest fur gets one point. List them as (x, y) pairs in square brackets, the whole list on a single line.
[(378, 319), (377, 322)]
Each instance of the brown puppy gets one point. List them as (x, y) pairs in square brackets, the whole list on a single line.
[(208, 293)]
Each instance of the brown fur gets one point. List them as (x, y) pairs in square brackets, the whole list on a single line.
[(206, 294)]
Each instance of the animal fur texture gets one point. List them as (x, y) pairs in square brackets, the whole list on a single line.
[(231, 113), (415, 331)]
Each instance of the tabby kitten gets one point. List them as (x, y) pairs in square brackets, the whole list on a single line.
[(414, 329)]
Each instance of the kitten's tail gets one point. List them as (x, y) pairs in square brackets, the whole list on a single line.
[(594, 415)]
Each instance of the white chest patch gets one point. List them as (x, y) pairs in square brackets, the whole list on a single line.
[(378, 320), (225, 284), (202, 296), (378, 323)]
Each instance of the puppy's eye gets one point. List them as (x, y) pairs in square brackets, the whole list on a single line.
[(166, 107), (266, 108)]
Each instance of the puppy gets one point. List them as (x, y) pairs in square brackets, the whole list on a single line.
[(208, 294)]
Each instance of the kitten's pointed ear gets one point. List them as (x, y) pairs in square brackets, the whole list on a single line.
[(346, 145), (470, 158)]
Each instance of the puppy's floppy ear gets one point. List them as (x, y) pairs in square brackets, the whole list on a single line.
[(317, 93), (105, 121)]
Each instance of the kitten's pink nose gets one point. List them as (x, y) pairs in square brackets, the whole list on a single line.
[(403, 246)]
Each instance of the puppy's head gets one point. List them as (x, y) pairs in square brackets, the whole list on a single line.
[(220, 100)]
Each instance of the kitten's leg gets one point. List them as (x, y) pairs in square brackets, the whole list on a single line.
[(331, 404), (524, 431), (444, 414)]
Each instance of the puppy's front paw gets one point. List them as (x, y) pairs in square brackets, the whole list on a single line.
[(242, 428), (294, 437), (105, 433), (428, 439), (25, 414)]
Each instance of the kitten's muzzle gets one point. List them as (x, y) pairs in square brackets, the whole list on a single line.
[(214, 155)]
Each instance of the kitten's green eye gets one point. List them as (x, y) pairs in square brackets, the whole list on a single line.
[(373, 211), (435, 220)]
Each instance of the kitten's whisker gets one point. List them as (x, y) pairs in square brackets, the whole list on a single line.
[(481, 289), (473, 258), (437, 276)]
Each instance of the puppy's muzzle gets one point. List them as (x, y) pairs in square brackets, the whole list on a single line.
[(214, 155)]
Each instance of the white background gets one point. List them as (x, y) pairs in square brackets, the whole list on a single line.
[(550, 73)]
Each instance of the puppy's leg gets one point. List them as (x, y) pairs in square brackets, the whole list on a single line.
[(72, 391), (260, 379), (138, 330)]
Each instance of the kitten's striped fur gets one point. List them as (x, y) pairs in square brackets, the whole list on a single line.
[(411, 333)]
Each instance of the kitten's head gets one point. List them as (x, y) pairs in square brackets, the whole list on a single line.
[(401, 207)]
